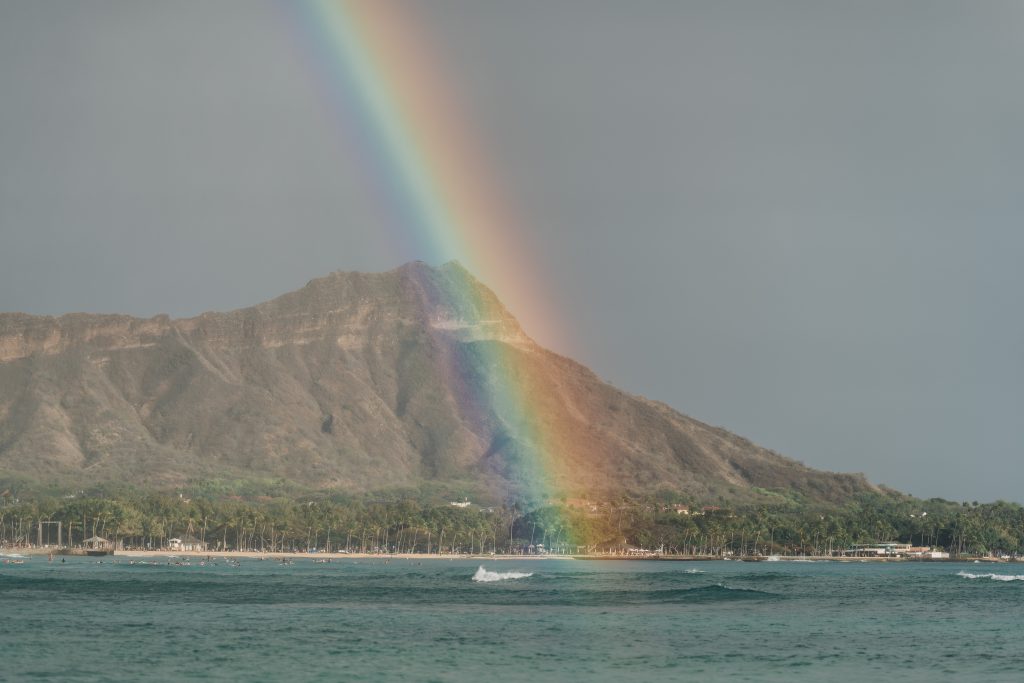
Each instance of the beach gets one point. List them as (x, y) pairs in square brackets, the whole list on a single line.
[(335, 556)]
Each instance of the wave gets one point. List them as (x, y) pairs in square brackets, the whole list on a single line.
[(994, 577), (756, 577), (693, 571), (14, 556), (720, 593), (534, 593), (484, 576)]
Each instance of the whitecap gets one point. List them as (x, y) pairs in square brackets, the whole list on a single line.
[(693, 571), (484, 576), (993, 577)]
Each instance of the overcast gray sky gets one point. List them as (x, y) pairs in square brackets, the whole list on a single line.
[(797, 220)]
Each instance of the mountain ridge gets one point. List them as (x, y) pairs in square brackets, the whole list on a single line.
[(23, 334), (357, 381)]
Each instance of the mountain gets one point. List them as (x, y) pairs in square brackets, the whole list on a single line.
[(357, 381)]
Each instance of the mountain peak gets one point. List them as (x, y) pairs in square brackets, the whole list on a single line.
[(455, 265), (362, 381)]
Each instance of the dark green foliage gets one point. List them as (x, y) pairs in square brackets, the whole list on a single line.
[(280, 518)]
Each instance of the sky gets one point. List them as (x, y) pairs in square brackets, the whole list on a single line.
[(800, 221)]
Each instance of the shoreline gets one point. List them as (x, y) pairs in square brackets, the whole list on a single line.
[(256, 555), (268, 556)]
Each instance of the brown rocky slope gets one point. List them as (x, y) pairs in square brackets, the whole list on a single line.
[(356, 381)]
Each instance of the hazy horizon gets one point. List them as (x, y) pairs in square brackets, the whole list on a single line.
[(797, 220)]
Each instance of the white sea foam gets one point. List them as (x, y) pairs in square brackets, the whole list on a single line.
[(994, 577), (13, 556), (694, 571), (484, 576)]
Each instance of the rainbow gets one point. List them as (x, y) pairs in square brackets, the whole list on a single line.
[(382, 80)]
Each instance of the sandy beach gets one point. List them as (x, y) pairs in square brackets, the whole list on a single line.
[(329, 556), (256, 555)]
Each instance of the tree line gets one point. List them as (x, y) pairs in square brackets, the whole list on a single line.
[(150, 520)]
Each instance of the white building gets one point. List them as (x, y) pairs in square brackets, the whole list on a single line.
[(189, 543)]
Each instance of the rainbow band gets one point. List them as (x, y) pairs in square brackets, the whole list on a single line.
[(382, 81)]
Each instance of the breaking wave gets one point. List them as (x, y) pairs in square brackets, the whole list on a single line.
[(484, 576), (994, 577)]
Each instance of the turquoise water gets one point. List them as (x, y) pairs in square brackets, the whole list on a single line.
[(428, 620)]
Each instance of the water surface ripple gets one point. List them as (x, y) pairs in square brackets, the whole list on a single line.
[(429, 620)]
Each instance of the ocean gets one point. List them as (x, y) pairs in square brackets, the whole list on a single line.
[(529, 620)]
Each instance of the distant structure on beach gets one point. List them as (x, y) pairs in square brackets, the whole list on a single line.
[(894, 550), (188, 543), (96, 545)]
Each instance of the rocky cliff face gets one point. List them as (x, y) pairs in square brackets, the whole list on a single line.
[(358, 381)]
